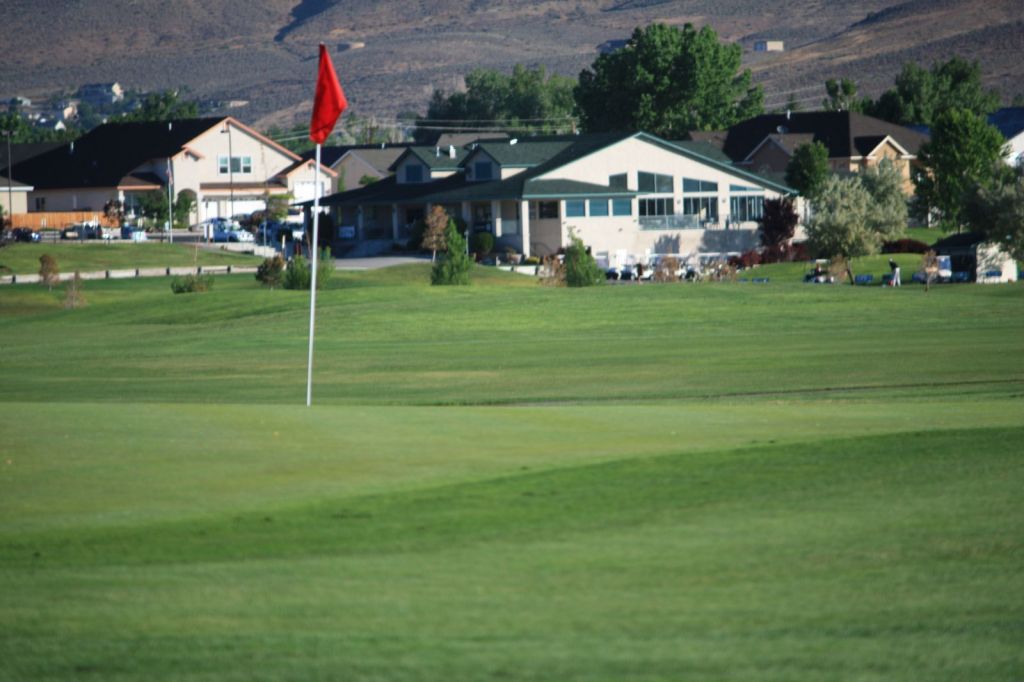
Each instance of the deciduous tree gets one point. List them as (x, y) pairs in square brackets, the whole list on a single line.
[(667, 81), (808, 168), (434, 232), (920, 96), (964, 152), (888, 213), (778, 222), (839, 226), (998, 213)]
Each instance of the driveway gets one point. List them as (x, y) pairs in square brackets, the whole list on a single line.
[(376, 262)]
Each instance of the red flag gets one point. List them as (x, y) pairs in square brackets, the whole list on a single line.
[(329, 102)]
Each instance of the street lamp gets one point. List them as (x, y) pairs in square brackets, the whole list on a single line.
[(231, 172), (10, 192)]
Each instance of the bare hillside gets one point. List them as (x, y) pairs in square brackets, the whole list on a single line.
[(391, 54)]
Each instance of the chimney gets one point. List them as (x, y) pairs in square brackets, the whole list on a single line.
[(787, 114)]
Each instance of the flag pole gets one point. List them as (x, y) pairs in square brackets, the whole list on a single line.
[(315, 247), (328, 103)]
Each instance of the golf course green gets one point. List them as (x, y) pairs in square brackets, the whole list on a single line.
[(727, 481)]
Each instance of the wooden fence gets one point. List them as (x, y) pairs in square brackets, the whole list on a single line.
[(59, 219)]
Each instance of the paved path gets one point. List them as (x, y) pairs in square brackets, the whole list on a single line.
[(376, 262)]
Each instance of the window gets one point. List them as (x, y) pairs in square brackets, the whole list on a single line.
[(413, 172), (482, 170), (651, 207), (617, 181), (746, 208), (598, 207), (40, 203), (547, 209), (575, 208), (239, 164), (654, 182), (691, 185), (704, 207), (622, 207)]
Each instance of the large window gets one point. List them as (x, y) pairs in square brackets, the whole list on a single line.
[(746, 208), (598, 207), (653, 207), (705, 208), (618, 181), (697, 186), (238, 164), (654, 182), (622, 207), (575, 208)]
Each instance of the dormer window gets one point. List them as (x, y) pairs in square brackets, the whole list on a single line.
[(482, 170), (413, 172)]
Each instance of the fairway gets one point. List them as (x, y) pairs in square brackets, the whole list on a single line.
[(657, 482)]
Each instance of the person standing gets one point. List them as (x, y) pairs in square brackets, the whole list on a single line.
[(895, 267)]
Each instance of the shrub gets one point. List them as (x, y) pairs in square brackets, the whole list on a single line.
[(49, 273), (453, 267), (747, 259), (297, 273), (905, 246), (552, 272), (667, 269), (271, 271), (73, 297), (581, 270), (192, 284), (481, 243)]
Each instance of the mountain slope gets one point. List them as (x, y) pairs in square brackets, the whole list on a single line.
[(263, 51)]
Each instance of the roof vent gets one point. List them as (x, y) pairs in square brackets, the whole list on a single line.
[(451, 151), (71, 147), (513, 141), (437, 151), (781, 130), (788, 113)]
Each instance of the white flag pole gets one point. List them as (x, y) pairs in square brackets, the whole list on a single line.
[(312, 280)]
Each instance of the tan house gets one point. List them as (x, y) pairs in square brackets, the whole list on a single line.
[(626, 195), (13, 197), (854, 141), (225, 166)]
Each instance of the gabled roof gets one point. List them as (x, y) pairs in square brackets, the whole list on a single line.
[(524, 154), (330, 156), (435, 158), (844, 133), (466, 139), (531, 183), (1009, 120), (787, 142), (107, 155), (14, 185)]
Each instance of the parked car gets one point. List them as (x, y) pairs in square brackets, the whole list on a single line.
[(230, 235), (24, 234)]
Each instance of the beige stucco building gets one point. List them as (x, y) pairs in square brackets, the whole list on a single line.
[(226, 167)]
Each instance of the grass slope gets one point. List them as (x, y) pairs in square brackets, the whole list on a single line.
[(700, 482), (97, 256)]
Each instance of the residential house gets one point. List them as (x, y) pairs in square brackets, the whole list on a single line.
[(854, 141), (13, 198), (226, 167), (1010, 121), (359, 165), (622, 193), (101, 94)]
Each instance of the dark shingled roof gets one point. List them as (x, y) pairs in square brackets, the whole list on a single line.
[(1009, 120), (331, 155), (844, 133), (107, 154)]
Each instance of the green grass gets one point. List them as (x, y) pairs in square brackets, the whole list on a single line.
[(97, 256), (699, 482)]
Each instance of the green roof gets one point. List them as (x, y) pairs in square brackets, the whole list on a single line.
[(524, 154)]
